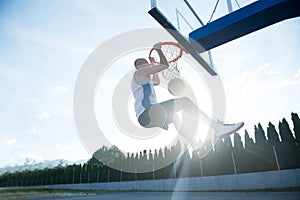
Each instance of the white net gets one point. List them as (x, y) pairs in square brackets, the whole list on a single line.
[(172, 72), (172, 54)]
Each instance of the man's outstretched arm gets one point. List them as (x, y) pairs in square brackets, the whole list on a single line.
[(145, 72)]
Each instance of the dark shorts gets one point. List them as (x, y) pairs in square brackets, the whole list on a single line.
[(158, 115)]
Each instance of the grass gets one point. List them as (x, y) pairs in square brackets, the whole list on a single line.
[(32, 193), (294, 189), (40, 193)]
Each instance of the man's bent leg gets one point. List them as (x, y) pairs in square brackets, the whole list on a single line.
[(186, 104)]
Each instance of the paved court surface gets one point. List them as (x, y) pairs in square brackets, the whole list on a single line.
[(191, 196)]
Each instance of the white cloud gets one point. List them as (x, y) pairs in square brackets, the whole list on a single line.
[(43, 115), (34, 131), (258, 95), (61, 89), (17, 150), (264, 77), (70, 150), (267, 70), (12, 141)]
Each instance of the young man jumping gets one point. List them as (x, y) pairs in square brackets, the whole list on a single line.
[(152, 114)]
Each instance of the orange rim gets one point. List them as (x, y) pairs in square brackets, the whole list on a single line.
[(171, 44)]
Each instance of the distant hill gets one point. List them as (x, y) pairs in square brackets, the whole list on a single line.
[(31, 164)]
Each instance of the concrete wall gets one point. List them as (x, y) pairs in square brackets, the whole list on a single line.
[(261, 180)]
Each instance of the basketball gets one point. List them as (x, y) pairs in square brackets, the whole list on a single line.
[(176, 86)]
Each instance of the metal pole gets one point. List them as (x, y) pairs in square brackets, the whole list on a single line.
[(99, 174), (276, 158), (108, 175), (229, 6), (233, 160), (194, 12), (153, 3), (201, 167), (153, 173), (121, 175), (178, 13), (177, 18), (174, 170), (215, 8)]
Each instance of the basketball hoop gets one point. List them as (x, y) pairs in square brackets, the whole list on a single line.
[(173, 52)]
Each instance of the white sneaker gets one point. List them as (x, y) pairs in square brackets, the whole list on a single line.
[(222, 130)]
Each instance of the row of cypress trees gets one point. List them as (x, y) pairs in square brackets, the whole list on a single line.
[(270, 150)]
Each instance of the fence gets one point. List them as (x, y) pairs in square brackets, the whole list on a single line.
[(249, 181)]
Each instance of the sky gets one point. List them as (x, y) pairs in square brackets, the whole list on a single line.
[(44, 43)]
